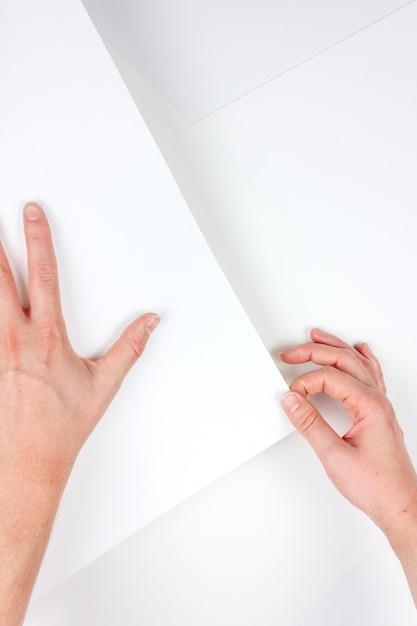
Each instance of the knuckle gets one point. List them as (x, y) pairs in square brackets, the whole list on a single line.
[(347, 352), (385, 404), (352, 355), (326, 371), (305, 418), (137, 345), (49, 334), (44, 272), (49, 340), (12, 345)]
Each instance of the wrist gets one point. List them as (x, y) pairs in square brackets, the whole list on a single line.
[(28, 512), (401, 530), (30, 492)]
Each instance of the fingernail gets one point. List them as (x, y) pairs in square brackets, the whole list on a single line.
[(290, 402), (32, 212), (368, 348), (320, 331), (152, 323)]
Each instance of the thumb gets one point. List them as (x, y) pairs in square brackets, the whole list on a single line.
[(307, 420), (121, 357)]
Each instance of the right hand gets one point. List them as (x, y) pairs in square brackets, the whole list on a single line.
[(369, 465)]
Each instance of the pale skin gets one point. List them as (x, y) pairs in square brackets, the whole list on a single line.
[(50, 401), (370, 464)]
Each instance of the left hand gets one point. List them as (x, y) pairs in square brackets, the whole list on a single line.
[(50, 401), (50, 398)]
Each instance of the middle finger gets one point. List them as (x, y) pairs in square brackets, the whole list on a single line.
[(345, 359)]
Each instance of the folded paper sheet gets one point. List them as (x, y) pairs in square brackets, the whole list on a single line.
[(203, 398)]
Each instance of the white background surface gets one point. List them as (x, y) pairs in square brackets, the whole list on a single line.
[(207, 400), (271, 543)]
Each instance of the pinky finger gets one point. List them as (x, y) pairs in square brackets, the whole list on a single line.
[(366, 351)]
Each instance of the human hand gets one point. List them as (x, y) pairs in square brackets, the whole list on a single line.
[(50, 398), (50, 401), (369, 465)]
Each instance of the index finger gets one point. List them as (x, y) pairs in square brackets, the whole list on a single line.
[(343, 359), (45, 302), (358, 398)]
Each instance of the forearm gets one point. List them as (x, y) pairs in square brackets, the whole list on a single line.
[(27, 515), (403, 539)]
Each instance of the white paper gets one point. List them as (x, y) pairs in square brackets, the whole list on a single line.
[(332, 144), (204, 54), (203, 398)]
